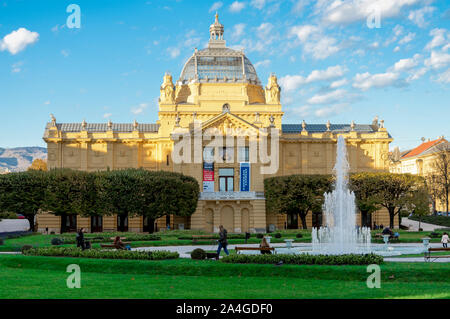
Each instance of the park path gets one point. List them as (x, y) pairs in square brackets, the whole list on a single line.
[(414, 225)]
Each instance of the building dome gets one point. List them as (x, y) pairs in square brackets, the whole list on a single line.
[(217, 63)]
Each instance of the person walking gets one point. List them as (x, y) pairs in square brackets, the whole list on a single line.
[(80, 239), (444, 240), (223, 243)]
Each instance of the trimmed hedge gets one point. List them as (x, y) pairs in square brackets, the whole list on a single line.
[(106, 237), (305, 259), (101, 254), (211, 236), (198, 254)]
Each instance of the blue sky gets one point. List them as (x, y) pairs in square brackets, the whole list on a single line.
[(330, 63)]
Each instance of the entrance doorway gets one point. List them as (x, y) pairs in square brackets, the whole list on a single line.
[(68, 223), (122, 223), (227, 218), (96, 224), (292, 221)]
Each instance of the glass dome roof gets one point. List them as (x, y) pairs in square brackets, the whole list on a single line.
[(217, 63)]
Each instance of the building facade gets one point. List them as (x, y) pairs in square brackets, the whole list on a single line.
[(423, 161), (218, 91)]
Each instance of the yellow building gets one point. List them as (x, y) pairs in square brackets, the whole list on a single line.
[(218, 92), (422, 161)]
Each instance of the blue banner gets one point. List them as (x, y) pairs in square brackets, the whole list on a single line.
[(245, 177)]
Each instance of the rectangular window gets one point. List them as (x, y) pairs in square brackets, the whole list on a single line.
[(208, 154), (226, 180), (243, 154), (226, 154)]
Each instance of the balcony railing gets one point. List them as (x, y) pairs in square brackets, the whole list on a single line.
[(231, 195)]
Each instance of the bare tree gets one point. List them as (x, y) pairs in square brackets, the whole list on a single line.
[(441, 167)]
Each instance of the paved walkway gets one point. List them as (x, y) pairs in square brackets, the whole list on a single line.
[(414, 225), (184, 251)]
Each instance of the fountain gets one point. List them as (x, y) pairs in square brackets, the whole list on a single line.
[(340, 235)]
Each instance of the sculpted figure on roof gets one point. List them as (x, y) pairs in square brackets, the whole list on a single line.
[(273, 91)]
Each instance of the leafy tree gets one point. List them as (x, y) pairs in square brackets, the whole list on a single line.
[(23, 193), (395, 192), (38, 165), (366, 190), (419, 202), (70, 192), (296, 194), (148, 194)]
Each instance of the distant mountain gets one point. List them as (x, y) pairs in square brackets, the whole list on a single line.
[(20, 158)]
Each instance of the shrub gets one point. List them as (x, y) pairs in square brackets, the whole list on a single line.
[(52, 233), (259, 235), (26, 248), (198, 254), (57, 241), (435, 235), (299, 235), (277, 235), (1, 241), (101, 254), (106, 237), (305, 259)]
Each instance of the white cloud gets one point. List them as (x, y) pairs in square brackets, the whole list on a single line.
[(238, 30), (299, 6), (408, 38), (258, 4), (216, 6), (444, 77), (396, 49), (262, 64), (329, 97), (173, 52), (47, 102), (365, 81), (338, 83), (237, 7), (107, 115), (417, 74), (331, 110), (18, 40), (139, 109), (406, 64), (314, 41), (418, 16), (65, 53), (440, 37), (437, 60), (16, 67), (292, 82), (341, 12)]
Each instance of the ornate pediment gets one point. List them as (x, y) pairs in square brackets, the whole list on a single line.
[(228, 123)]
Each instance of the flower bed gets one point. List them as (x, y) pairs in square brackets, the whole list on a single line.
[(101, 254), (305, 259)]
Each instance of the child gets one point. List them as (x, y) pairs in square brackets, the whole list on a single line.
[(444, 240)]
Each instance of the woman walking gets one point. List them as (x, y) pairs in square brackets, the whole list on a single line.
[(223, 243), (444, 240)]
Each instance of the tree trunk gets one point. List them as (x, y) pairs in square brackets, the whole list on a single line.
[(31, 220), (364, 219), (391, 217), (303, 219), (399, 219), (151, 225)]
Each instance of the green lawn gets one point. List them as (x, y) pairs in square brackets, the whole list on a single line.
[(45, 277)]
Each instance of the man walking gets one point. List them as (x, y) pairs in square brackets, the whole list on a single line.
[(223, 243)]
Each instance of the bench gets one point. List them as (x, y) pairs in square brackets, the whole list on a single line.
[(271, 249), (428, 256), (112, 245)]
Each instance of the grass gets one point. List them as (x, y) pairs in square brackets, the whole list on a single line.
[(45, 277)]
